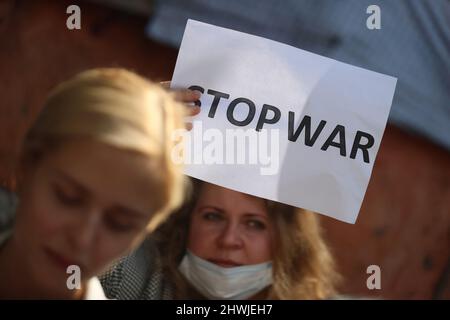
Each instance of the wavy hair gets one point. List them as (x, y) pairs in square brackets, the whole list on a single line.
[(303, 266)]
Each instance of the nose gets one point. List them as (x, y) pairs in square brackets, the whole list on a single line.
[(83, 233), (230, 237)]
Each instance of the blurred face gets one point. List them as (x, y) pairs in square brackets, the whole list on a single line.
[(230, 228), (84, 204)]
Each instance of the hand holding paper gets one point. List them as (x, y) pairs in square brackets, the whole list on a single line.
[(316, 122)]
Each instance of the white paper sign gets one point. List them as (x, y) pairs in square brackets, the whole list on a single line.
[(314, 124)]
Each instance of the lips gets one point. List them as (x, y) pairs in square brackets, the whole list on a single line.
[(60, 260), (225, 263)]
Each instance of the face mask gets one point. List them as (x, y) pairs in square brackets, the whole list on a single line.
[(215, 282)]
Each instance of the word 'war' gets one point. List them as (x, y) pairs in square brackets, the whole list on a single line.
[(270, 115)]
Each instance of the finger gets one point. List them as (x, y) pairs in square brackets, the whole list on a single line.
[(165, 84), (193, 111), (186, 95)]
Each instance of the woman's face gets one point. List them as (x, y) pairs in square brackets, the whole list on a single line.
[(84, 204), (230, 228)]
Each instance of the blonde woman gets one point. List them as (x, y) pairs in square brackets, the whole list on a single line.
[(94, 178), (225, 244)]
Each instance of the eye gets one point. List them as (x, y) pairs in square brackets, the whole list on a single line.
[(256, 224), (66, 197), (212, 216), (119, 226)]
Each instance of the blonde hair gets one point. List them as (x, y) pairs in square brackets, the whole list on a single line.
[(121, 109), (303, 267)]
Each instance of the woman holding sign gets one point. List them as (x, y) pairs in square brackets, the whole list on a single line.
[(225, 244), (95, 177)]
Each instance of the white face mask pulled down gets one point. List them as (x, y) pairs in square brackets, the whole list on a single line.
[(215, 282)]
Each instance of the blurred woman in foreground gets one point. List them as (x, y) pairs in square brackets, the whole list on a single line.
[(94, 178)]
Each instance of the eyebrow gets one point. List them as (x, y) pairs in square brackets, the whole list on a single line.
[(77, 185), (247, 214), (210, 207), (258, 215), (85, 191), (129, 212)]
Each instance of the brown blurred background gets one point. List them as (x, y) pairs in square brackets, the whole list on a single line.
[(404, 224)]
